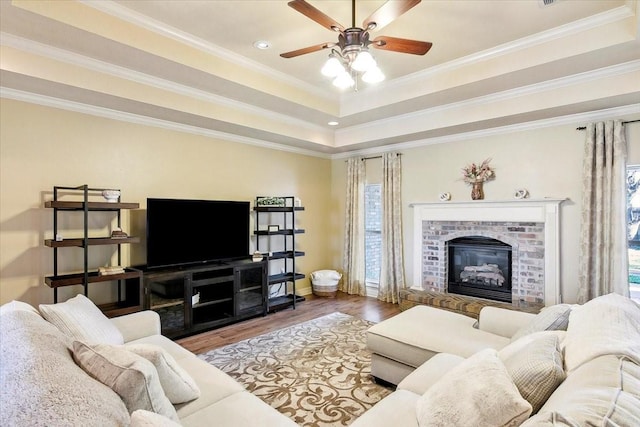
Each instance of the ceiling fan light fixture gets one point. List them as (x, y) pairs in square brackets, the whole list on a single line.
[(333, 67), (364, 61), (344, 80), (373, 75)]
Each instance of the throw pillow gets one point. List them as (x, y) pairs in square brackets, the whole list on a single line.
[(80, 319), (535, 365), (178, 386), (142, 418), (478, 392), (17, 306), (609, 324), (552, 318), (131, 376)]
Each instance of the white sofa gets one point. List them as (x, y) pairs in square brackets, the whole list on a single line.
[(41, 384), (588, 375)]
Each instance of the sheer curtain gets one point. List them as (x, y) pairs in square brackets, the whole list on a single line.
[(392, 268), (353, 281), (603, 246)]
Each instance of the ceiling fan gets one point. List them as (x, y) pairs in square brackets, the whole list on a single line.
[(356, 37)]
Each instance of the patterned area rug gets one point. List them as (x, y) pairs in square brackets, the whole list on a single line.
[(318, 373)]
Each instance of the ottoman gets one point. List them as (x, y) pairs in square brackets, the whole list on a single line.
[(402, 343)]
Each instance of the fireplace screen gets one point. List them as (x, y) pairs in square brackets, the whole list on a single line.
[(480, 267)]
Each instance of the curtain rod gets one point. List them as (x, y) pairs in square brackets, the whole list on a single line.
[(375, 157), (624, 123)]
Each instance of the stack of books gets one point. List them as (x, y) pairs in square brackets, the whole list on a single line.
[(113, 269), (117, 233)]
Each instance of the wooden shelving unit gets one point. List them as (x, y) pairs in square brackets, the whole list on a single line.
[(129, 283)]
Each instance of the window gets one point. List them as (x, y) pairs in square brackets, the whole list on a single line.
[(633, 226), (373, 232)]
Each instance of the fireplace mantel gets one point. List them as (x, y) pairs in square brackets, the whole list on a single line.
[(545, 211)]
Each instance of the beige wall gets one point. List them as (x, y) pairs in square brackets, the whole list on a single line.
[(547, 162), (42, 147)]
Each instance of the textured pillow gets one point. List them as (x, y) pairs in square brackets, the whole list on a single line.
[(477, 393), (178, 386), (142, 418), (609, 324), (535, 365), (133, 377), (80, 319), (17, 305), (41, 385), (552, 318)]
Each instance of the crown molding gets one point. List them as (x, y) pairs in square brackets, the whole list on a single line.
[(114, 9), (63, 104), (549, 85), (571, 119), (78, 60)]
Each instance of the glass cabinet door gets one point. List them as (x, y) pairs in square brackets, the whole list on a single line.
[(250, 283)]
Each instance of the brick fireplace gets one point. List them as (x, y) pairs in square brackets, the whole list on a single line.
[(530, 228)]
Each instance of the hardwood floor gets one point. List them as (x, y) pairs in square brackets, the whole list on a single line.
[(362, 307)]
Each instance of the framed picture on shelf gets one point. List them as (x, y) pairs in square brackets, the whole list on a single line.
[(272, 228), (277, 202)]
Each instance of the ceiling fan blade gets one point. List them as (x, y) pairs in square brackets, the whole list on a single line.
[(314, 14), (395, 44), (306, 50), (387, 13)]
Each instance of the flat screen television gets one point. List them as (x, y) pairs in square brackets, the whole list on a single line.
[(182, 231)]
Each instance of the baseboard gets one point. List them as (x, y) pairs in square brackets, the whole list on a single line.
[(304, 291)]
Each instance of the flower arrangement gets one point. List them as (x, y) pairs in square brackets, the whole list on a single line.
[(473, 173)]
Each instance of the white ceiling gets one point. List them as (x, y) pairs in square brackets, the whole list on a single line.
[(191, 65)]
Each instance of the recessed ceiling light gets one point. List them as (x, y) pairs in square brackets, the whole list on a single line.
[(333, 123), (262, 44)]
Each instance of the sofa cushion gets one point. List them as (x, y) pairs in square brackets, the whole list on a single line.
[(41, 384), (80, 319), (142, 418), (609, 324), (178, 386), (478, 392), (552, 318), (604, 391), (214, 385), (238, 409), (176, 351), (134, 378), (397, 409), (430, 372), (535, 365)]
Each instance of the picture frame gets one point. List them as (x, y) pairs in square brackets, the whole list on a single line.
[(271, 201), (272, 228)]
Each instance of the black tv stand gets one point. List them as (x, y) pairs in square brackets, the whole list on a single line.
[(195, 298)]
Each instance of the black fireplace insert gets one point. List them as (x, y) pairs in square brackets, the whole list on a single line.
[(480, 267)]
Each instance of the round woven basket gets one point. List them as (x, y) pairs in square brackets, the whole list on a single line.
[(329, 291)]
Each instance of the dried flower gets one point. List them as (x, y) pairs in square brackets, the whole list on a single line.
[(474, 173)]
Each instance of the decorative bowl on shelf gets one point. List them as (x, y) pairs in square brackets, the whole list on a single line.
[(111, 195)]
